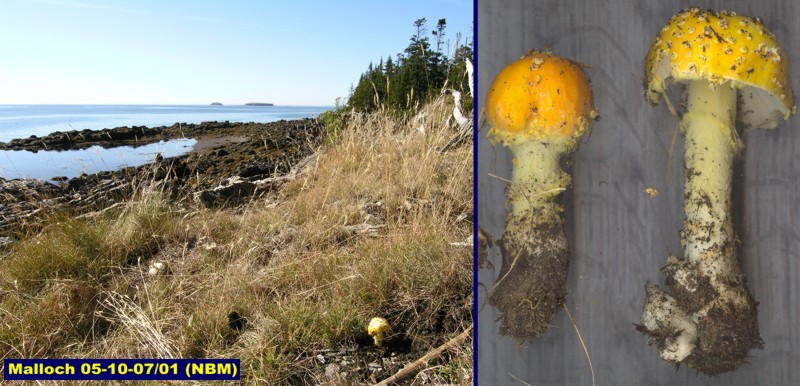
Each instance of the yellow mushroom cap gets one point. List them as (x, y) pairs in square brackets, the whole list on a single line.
[(718, 47), (539, 97), (378, 325)]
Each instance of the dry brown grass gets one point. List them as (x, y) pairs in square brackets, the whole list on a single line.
[(366, 231)]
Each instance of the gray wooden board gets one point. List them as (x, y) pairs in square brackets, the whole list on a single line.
[(619, 236)]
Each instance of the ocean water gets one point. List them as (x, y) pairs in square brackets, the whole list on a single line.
[(22, 121)]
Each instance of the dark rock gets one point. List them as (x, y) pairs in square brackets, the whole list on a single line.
[(254, 170), (231, 192)]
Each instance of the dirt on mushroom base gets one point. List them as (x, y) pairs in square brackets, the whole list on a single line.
[(733, 332), (532, 283)]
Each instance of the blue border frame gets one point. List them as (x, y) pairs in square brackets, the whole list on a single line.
[(475, 128)]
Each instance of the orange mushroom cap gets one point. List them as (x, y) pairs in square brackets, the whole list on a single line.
[(540, 97)]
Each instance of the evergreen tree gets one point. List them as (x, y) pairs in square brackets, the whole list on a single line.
[(389, 75), (377, 82), (415, 66), (416, 74), (399, 89), (360, 98), (437, 61), (439, 33)]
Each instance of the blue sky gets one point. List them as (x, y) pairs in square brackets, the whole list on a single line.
[(198, 52)]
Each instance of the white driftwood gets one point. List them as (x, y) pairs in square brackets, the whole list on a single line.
[(470, 69), (457, 114)]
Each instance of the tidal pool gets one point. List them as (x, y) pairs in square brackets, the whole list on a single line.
[(47, 164)]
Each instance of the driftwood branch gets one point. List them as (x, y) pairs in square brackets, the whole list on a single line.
[(416, 366), (464, 123), (469, 76)]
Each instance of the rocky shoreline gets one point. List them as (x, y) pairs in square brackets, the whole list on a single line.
[(230, 162)]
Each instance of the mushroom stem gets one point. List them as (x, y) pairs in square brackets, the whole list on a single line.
[(536, 180), (710, 145), (707, 284), (531, 285)]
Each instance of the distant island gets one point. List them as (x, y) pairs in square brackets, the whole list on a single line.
[(258, 104), (216, 104)]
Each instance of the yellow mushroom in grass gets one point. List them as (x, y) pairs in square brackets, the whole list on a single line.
[(732, 68), (377, 329), (539, 107)]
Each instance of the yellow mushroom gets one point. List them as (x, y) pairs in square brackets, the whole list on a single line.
[(538, 106), (377, 329), (732, 67)]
